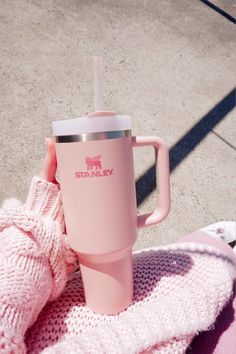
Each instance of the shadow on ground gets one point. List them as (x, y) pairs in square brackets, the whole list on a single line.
[(147, 182)]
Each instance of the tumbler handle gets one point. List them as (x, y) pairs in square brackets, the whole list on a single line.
[(162, 176)]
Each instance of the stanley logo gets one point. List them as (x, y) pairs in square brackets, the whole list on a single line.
[(94, 168)]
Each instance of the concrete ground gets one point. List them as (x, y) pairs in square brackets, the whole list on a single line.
[(168, 64)]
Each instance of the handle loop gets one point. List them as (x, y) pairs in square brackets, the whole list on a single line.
[(162, 176)]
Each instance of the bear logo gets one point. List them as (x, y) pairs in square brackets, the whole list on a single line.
[(93, 162)]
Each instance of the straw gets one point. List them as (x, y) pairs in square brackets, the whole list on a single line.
[(98, 88)]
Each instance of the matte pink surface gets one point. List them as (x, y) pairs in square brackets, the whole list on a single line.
[(100, 212), (99, 199), (108, 286), (101, 217), (162, 176)]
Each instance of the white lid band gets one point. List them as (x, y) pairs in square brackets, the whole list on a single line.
[(90, 125)]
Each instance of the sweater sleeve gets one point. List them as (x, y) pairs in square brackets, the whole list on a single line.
[(44, 198), (35, 260)]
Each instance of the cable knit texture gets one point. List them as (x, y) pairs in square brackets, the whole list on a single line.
[(34, 260), (179, 290)]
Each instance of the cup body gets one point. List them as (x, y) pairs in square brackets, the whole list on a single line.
[(99, 200), (98, 194)]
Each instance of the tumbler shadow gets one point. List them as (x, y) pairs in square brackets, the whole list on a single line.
[(149, 268)]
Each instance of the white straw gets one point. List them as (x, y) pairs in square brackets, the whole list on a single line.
[(98, 88)]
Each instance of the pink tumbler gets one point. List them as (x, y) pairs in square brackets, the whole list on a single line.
[(95, 165)]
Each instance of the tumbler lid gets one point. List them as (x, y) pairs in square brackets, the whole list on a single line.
[(84, 125), (95, 122)]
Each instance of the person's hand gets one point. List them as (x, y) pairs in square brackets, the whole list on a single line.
[(49, 167)]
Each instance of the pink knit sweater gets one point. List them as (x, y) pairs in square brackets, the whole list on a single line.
[(179, 290)]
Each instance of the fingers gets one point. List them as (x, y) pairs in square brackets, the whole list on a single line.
[(50, 162)]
